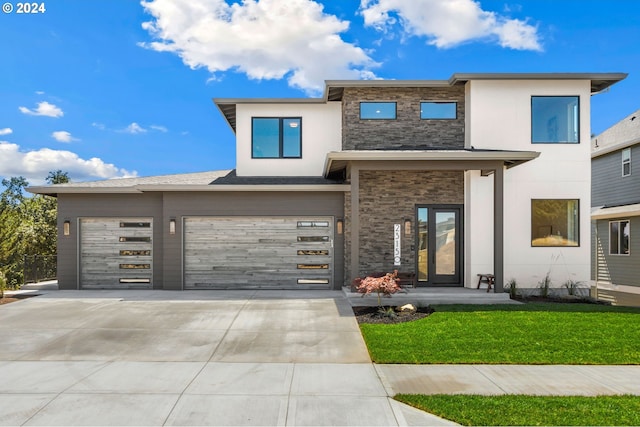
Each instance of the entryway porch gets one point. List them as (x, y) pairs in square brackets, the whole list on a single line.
[(429, 296)]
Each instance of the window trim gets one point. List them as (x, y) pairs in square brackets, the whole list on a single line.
[(577, 124), (626, 161), (619, 240), (439, 102), (280, 136), (578, 233), (395, 110)]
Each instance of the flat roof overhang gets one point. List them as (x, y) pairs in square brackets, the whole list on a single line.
[(615, 211), (138, 189), (337, 161)]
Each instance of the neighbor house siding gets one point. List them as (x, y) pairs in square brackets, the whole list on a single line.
[(72, 207), (618, 269), (407, 131), (179, 205), (387, 198), (609, 187)]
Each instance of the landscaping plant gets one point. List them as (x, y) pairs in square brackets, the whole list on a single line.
[(385, 285)]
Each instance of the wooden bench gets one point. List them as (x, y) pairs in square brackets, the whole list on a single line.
[(489, 279)]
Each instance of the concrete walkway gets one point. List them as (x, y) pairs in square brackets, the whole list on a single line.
[(190, 358), (231, 358), (569, 380)]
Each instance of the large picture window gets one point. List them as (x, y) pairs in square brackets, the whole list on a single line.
[(555, 222), (276, 137), (378, 110), (619, 235), (555, 119)]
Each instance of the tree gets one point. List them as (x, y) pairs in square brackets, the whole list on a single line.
[(28, 225), (58, 177)]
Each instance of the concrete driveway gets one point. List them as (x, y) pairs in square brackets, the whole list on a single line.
[(190, 358)]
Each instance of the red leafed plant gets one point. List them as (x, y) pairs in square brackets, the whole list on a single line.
[(385, 285)]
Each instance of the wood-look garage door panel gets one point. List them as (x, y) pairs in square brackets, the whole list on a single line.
[(244, 252), (107, 262)]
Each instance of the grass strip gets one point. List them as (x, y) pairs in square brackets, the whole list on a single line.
[(543, 333), (521, 410)]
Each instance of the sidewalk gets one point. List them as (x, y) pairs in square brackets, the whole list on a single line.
[(570, 380)]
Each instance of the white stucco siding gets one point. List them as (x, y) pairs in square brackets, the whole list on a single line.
[(500, 118), (321, 133)]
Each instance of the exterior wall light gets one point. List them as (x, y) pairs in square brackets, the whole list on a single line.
[(340, 226), (407, 227), (66, 227), (172, 226)]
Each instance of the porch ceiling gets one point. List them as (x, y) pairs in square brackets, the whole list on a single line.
[(467, 159)]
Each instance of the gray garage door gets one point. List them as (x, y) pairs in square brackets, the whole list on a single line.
[(116, 253), (258, 252)]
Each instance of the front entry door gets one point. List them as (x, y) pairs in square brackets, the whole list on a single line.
[(439, 245)]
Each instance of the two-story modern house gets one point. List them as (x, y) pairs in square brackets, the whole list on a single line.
[(445, 179), (615, 201)]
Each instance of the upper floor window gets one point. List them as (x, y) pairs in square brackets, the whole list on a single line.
[(378, 110), (619, 234), (276, 138), (555, 222), (626, 162), (555, 119), (438, 110)]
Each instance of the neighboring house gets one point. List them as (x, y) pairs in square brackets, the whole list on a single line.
[(445, 179), (615, 201)]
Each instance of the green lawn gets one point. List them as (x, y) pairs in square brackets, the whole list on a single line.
[(518, 410), (542, 333)]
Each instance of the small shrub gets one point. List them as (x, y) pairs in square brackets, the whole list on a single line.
[(544, 285), (512, 285), (573, 287), (385, 285)]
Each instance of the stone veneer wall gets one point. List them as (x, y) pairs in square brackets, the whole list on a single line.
[(407, 131), (387, 198)]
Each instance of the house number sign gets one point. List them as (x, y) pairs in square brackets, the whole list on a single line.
[(396, 244)]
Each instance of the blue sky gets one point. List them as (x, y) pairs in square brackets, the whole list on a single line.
[(111, 88)]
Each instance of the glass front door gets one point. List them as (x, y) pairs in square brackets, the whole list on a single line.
[(439, 245)]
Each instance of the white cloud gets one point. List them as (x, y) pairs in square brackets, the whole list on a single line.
[(43, 109), (98, 125), (134, 129), (36, 164), (6, 131), (63, 136), (159, 128), (39, 92), (447, 23), (265, 39)]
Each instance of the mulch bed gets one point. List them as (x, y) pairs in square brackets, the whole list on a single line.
[(373, 315), (7, 299)]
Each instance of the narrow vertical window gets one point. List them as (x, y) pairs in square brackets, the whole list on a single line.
[(619, 237), (626, 162)]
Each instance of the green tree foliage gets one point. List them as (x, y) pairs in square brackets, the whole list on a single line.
[(27, 225)]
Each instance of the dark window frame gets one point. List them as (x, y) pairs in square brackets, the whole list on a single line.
[(395, 110), (577, 97), (577, 225), (440, 102), (280, 137), (618, 238), (626, 161)]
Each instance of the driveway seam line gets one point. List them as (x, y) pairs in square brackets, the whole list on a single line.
[(204, 365)]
